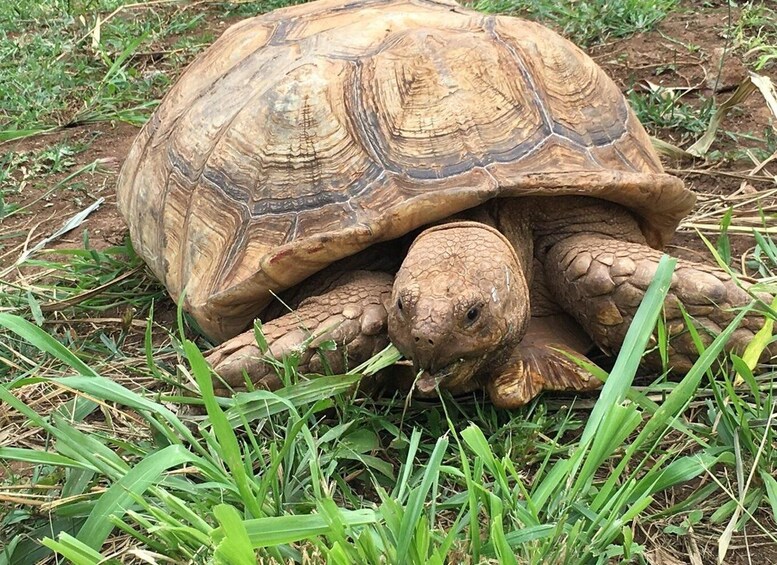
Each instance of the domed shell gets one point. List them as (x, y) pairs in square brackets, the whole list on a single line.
[(307, 134)]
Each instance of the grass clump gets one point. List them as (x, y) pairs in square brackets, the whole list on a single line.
[(755, 34), (311, 473), (662, 109), (587, 22)]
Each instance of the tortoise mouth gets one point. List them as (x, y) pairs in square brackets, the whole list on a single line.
[(454, 377)]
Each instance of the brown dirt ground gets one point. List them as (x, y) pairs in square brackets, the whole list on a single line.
[(711, 68), (660, 56), (109, 146)]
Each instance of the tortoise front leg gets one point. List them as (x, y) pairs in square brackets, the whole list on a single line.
[(601, 281), (352, 314), (538, 363)]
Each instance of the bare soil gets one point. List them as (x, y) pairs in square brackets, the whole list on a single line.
[(108, 145), (689, 49)]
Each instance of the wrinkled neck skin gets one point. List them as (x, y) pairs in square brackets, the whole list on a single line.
[(460, 304)]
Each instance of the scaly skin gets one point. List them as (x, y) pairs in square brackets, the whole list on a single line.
[(352, 314), (601, 281), (582, 258), (460, 304), (539, 363)]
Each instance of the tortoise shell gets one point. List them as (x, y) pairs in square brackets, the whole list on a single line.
[(307, 134)]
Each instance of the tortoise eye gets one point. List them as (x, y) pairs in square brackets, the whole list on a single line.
[(400, 306), (473, 314)]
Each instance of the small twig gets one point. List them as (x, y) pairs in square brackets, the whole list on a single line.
[(21, 500), (135, 323), (735, 229)]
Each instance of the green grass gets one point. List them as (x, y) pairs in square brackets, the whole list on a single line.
[(661, 109), (587, 22), (756, 35), (312, 471), (99, 457), (62, 64)]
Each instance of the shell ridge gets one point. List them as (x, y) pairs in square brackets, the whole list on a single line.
[(236, 249)]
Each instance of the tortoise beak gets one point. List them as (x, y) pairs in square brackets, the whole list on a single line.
[(427, 383)]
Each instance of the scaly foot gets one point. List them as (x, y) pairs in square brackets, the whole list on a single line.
[(352, 314)]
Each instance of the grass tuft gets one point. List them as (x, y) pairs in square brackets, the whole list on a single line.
[(587, 22)]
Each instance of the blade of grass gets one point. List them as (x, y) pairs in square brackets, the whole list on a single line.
[(261, 404), (111, 391), (235, 548), (757, 345), (634, 344), (117, 499), (74, 550), (743, 92), (230, 449), (416, 499), (43, 341), (277, 530), (13, 134), (38, 457)]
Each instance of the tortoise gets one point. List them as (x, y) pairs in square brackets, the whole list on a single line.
[(472, 188)]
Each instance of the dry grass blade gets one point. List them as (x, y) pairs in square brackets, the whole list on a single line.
[(714, 173), (743, 92), (702, 145), (670, 150), (766, 87), (725, 539), (69, 225), (61, 304), (95, 32)]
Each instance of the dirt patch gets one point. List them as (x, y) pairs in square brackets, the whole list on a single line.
[(46, 205), (691, 51)]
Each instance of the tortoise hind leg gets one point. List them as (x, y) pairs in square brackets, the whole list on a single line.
[(601, 281), (538, 363), (351, 313)]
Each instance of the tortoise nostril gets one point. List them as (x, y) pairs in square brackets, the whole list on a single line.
[(417, 339)]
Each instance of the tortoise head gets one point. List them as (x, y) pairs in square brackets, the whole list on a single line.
[(460, 303)]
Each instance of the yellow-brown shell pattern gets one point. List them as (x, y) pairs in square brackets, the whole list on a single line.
[(304, 135)]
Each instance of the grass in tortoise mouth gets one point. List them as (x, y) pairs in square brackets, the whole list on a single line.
[(426, 382), (451, 375)]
